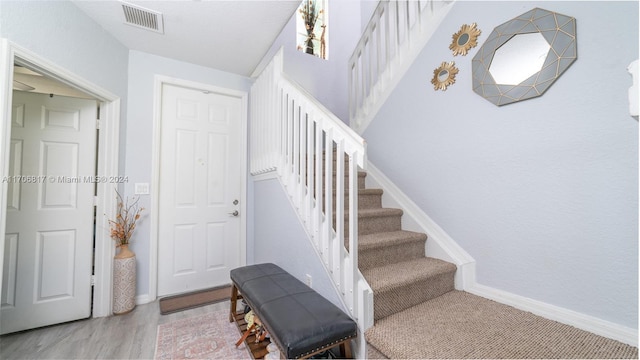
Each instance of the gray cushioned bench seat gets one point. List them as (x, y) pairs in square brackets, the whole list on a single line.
[(298, 319)]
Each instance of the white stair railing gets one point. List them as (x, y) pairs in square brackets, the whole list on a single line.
[(393, 38), (294, 134)]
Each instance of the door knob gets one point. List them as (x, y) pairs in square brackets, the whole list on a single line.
[(235, 213)]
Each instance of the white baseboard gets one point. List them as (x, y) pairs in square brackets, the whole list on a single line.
[(581, 321), (144, 299)]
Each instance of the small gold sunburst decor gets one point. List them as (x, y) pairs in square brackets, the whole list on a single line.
[(465, 39), (444, 75)]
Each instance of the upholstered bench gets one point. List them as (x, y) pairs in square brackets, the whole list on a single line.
[(299, 320)]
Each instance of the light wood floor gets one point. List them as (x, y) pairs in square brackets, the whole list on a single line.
[(128, 336)]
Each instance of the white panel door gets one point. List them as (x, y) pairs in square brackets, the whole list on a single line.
[(200, 182), (50, 214)]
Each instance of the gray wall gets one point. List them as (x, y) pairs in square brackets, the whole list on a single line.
[(542, 193), (61, 33), (326, 80), (281, 239), (142, 69)]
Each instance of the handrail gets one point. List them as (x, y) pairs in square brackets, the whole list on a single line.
[(291, 133), (393, 38)]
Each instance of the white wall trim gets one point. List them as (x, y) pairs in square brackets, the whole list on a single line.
[(144, 299), (442, 246), (270, 175), (107, 159), (633, 90), (6, 66), (154, 215), (581, 321), (439, 244), (107, 166)]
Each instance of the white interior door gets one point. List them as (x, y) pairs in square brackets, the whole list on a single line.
[(200, 189), (50, 214)]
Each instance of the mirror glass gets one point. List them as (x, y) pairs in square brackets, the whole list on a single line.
[(524, 56), (443, 75), (463, 39), (519, 58)]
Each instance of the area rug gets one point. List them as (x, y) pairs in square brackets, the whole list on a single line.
[(194, 299), (209, 336)]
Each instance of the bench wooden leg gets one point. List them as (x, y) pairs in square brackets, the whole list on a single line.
[(345, 349), (234, 302)]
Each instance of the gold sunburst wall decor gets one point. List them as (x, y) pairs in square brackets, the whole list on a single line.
[(465, 39), (444, 75)]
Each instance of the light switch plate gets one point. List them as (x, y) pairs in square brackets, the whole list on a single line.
[(142, 188)]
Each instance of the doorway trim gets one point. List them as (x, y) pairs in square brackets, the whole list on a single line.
[(108, 151), (159, 81)]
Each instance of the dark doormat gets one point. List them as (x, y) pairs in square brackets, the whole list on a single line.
[(194, 299)]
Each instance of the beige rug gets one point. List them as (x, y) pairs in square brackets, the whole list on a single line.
[(209, 336)]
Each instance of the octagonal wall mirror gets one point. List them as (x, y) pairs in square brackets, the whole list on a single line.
[(522, 57)]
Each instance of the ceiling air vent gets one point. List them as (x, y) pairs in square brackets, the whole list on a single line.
[(143, 18)]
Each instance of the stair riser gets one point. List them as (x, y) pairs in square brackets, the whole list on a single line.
[(365, 201), (392, 254), (334, 162), (393, 301), (361, 184), (361, 181), (374, 225), (369, 201)]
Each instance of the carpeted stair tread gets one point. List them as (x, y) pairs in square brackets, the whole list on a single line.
[(391, 238), (364, 191), (373, 353), (459, 325), (367, 198), (360, 173), (374, 220), (375, 213), (399, 286), (384, 248), (394, 276), (381, 212)]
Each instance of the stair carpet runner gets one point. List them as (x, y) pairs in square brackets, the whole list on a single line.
[(393, 260)]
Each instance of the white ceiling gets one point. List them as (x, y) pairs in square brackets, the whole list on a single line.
[(231, 36), (25, 79)]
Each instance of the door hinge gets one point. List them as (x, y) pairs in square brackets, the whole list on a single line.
[(95, 201), (98, 124), (93, 280)]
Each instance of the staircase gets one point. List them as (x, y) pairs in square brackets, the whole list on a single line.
[(389, 286), (393, 260), (290, 131)]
